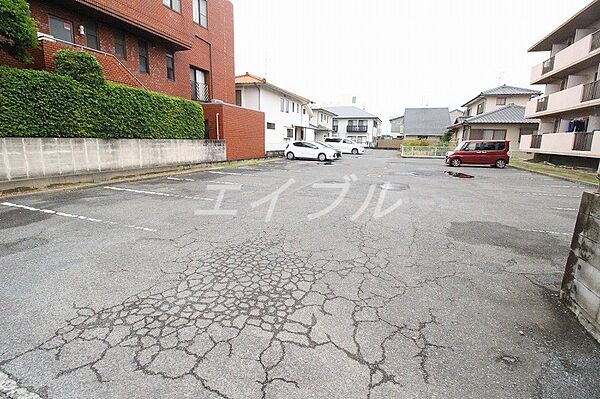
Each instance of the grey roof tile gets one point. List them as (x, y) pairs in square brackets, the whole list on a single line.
[(511, 114), (426, 121), (350, 112)]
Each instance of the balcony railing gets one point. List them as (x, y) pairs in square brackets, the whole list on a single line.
[(583, 141), (591, 91), (200, 92), (542, 104), (357, 129), (536, 141), (548, 65), (595, 41)]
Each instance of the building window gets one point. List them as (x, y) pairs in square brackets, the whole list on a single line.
[(174, 5), (270, 126), (120, 49), (335, 126), (290, 133), (143, 53), (170, 58), (293, 106), (501, 101), (200, 8), (287, 106), (238, 98), (61, 29), (468, 112), (480, 109), (198, 85), (91, 36), (282, 104)]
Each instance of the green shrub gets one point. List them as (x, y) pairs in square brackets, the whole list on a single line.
[(416, 143), (42, 104), (18, 31), (79, 65)]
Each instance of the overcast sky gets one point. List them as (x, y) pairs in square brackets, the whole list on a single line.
[(394, 54)]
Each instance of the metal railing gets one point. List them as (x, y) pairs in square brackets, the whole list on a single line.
[(591, 91), (42, 37), (595, 40), (583, 141), (200, 92), (423, 151), (542, 104), (357, 129), (548, 65), (536, 141)]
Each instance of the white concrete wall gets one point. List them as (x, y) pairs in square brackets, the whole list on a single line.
[(269, 101), (22, 158)]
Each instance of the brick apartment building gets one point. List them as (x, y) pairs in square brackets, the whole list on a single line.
[(183, 48)]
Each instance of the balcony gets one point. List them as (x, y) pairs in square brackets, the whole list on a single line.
[(357, 129), (570, 144), (580, 55), (200, 92), (576, 98)]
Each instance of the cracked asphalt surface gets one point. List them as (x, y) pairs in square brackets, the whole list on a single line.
[(452, 294)]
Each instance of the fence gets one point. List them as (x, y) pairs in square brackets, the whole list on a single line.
[(424, 152)]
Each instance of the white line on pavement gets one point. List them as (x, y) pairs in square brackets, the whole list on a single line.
[(223, 182), (72, 216), (215, 172), (552, 195), (566, 187), (556, 233), (12, 389), (130, 190)]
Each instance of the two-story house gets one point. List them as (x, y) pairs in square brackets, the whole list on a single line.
[(355, 124), (287, 115), (321, 123), (570, 108), (496, 114)]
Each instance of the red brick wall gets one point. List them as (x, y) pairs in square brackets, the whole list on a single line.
[(212, 49), (242, 129)]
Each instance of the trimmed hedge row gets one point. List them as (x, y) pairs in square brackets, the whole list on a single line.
[(43, 104)]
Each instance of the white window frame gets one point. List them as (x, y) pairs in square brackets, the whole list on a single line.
[(200, 12)]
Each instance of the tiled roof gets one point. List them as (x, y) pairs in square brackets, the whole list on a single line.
[(249, 79), (350, 112), (426, 121), (511, 114), (504, 90)]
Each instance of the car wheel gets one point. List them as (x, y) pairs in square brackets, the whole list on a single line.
[(500, 164), (322, 157), (455, 162), (290, 156), (355, 151)]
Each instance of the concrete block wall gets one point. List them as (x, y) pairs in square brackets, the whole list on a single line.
[(581, 282), (28, 158)]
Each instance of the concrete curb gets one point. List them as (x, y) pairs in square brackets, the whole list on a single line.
[(23, 187), (555, 176)]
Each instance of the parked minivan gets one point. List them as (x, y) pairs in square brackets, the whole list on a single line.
[(480, 152)]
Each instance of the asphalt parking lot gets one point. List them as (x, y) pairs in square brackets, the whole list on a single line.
[(372, 277)]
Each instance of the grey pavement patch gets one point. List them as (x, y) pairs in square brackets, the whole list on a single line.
[(13, 390)]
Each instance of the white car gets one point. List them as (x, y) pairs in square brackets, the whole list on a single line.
[(310, 150), (346, 146)]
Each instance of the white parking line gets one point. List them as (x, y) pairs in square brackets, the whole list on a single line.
[(73, 216), (556, 233), (178, 179), (130, 190), (223, 182), (566, 187), (565, 209), (552, 195), (214, 172), (12, 389)]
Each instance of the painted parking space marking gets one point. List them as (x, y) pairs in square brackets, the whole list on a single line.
[(552, 195), (155, 193), (567, 187), (565, 209), (555, 233), (78, 217), (205, 181), (223, 182), (216, 172), (12, 389)]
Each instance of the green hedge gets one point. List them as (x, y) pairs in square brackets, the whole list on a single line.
[(43, 104), (79, 65)]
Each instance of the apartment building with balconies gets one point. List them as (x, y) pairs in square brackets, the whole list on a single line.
[(180, 48), (321, 122), (569, 110), (355, 124)]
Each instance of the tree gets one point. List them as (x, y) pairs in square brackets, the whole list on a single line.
[(18, 31)]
